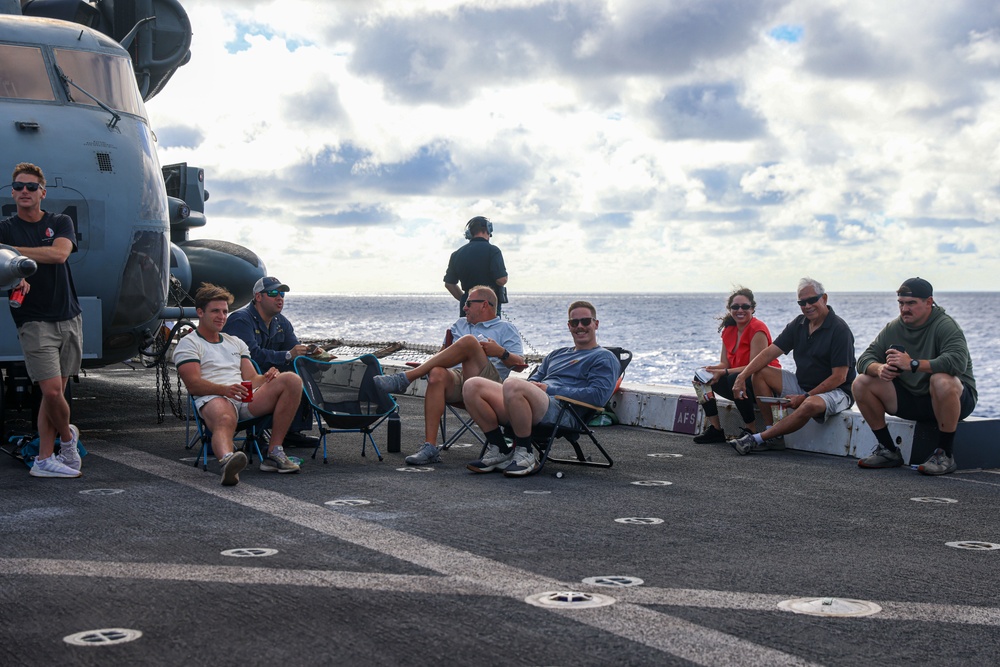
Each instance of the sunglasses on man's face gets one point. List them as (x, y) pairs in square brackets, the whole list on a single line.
[(274, 293), (810, 301), (476, 301), (20, 185), (585, 321), (741, 306)]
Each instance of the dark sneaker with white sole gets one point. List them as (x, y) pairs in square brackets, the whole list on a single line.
[(882, 457)]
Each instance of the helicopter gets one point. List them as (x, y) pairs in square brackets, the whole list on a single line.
[(74, 79)]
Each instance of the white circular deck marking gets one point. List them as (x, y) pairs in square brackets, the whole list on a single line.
[(928, 499), (569, 600), (973, 546), (249, 552), (101, 492), (347, 502), (537, 493), (103, 637), (641, 520), (833, 607), (652, 482), (614, 581), (661, 455), (415, 469)]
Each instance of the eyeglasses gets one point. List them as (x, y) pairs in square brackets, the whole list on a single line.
[(741, 306), (274, 292), (468, 301), (20, 185), (585, 321), (810, 301)]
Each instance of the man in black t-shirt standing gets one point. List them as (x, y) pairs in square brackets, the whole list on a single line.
[(476, 263), (822, 346), (49, 324)]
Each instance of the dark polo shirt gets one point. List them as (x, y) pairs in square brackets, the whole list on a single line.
[(816, 355)]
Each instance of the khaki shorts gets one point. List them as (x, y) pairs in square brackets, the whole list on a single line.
[(836, 400), (489, 372), (52, 349)]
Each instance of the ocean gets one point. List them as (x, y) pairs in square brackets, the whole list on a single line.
[(670, 335)]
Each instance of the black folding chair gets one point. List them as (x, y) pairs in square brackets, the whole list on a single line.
[(544, 436), (252, 437), (344, 398)]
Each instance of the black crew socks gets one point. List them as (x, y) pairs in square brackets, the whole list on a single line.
[(495, 437), (523, 442), (884, 439), (946, 441)]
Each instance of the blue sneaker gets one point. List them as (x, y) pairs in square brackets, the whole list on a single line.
[(392, 384)]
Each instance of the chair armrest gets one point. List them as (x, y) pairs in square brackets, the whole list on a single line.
[(580, 403), (412, 364)]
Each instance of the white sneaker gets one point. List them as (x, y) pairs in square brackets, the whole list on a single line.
[(52, 467), (69, 453)]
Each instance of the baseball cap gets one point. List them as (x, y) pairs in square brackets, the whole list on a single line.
[(915, 287), (269, 283)]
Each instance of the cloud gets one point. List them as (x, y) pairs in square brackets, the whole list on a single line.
[(710, 112), (179, 136)]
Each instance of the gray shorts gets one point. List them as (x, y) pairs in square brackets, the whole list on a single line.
[(550, 415), (52, 349), (836, 400), (242, 409)]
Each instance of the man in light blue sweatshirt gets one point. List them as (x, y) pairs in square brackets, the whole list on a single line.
[(585, 372)]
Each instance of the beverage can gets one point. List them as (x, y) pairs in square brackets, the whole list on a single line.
[(248, 385), (16, 297)]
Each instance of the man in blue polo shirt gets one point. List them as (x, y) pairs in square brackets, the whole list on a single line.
[(484, 346), (822, 346)]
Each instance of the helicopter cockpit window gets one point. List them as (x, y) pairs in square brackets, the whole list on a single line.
[(108, 78), (23, 75)]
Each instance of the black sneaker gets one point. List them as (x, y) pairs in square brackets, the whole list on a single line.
[(711, 435)]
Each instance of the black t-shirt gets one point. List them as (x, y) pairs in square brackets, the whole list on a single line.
[(478, 262), (816, 355), (53, 296)]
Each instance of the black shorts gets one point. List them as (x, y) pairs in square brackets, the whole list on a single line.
[(920, 408)]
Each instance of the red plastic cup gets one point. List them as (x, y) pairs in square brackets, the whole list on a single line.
[(249, 387)]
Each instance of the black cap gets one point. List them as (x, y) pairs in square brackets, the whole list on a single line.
[(915, 287)]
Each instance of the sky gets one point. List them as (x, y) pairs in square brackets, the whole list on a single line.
[(617, 145)]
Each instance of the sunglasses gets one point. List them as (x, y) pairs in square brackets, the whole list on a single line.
[(274, 292), (810, 301), (585, 321), (19, 185), (476, 301), (741, 306)]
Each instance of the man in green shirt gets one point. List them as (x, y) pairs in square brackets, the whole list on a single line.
[(918, 368)]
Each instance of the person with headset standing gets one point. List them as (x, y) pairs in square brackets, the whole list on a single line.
[(476, 263)]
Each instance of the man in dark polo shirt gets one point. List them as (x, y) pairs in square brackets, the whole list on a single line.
[(822, 346), (49, 323), (476, 263)]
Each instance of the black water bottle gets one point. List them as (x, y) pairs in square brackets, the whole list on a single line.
[(395, 433)]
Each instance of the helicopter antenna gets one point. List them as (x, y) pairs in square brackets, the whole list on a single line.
[(113, 123)]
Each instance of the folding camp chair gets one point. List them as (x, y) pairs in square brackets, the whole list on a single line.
[(465, 423), (344, 398), (543, 436), (252, 437)]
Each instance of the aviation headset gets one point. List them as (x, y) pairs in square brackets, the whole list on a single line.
[(480, 223)]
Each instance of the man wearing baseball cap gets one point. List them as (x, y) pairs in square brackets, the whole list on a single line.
[(272, 342), (917, 368)]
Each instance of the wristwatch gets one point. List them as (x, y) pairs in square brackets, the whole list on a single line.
[(505, 355), (914, 365), (288, 355)]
